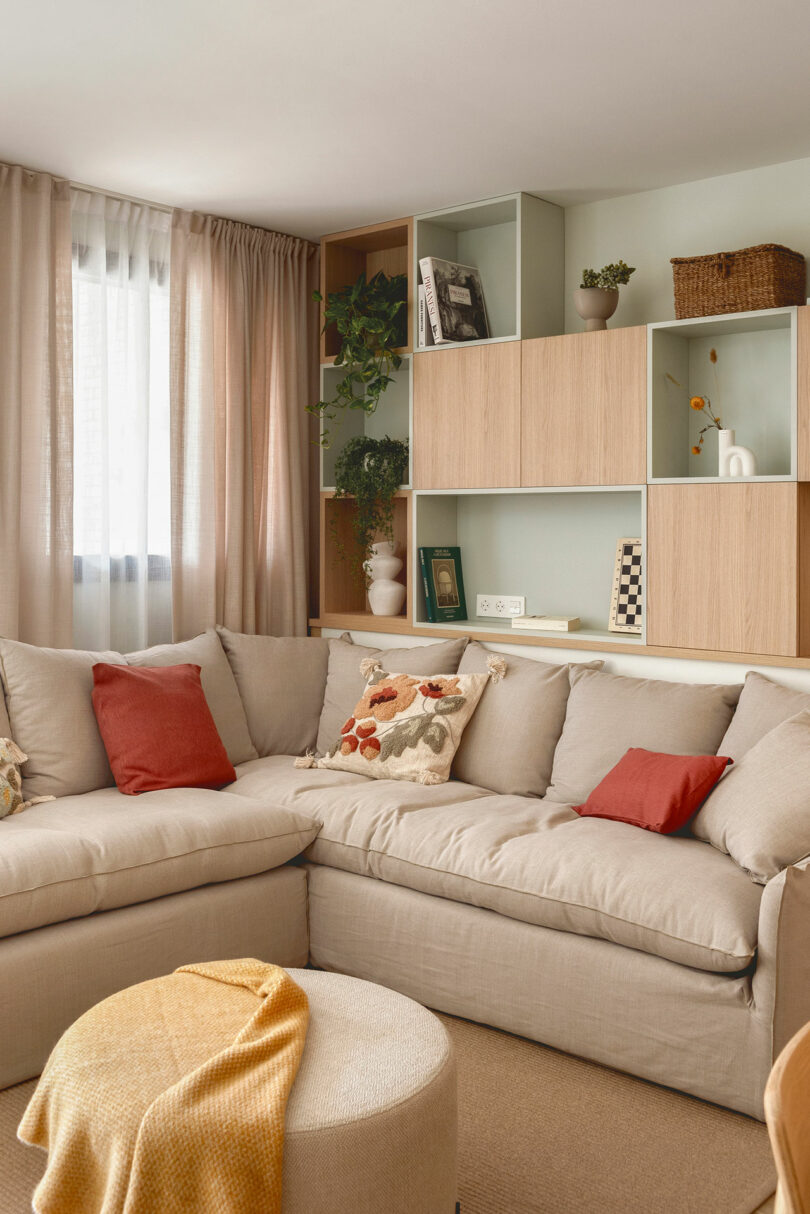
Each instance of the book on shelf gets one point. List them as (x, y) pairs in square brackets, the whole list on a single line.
[(547, 623), (454, 299), (424, 329), (444, 584)]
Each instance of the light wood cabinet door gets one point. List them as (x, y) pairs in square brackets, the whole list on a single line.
[(466, 418), (722, 566), (584, 409)]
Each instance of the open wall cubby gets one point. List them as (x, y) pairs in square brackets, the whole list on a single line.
[(517, 244), (347, 255), (557, 547), (752, 388), (343, 588), (392, 417)]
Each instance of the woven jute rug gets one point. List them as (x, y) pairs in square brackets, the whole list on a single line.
[(544, 1133)]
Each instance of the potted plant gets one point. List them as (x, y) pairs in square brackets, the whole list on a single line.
[(598, 295), (372, 321), (370, 470)]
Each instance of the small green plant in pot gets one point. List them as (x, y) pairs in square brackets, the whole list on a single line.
[(372, 321), (598, 295), (370, 470)]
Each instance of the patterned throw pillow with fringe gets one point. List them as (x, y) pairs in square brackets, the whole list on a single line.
[(11, 798), (407, 727)]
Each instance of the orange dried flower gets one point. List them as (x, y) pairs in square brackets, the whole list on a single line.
[(696, 450), (712, 355), (697, 403)]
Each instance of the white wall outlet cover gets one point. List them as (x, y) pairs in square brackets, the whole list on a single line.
[(500, 606)]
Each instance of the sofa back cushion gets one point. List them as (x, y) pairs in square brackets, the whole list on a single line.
[(607, 714), (218, 684), (281, 681), (763, 705), (760, 811), (50, 709), (345, 684), (509, 744)]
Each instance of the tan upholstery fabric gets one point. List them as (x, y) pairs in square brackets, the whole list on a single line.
[(81, 854), (351, 808), (609, 713), (36, 408), (48, 696), (52, 975), (782, 978), (509, 744), (540, 862), (282, 681), (763, 705), (5, 724), (672, 1024), (218, 684), (345, 684), (373, 1108), (759, 813), (244, 367)]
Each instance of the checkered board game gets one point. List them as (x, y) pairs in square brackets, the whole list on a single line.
[(626, 606)]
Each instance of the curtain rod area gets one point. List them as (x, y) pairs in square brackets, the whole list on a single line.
[(144, 202)]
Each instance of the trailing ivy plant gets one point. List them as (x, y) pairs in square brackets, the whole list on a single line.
[(372, 320), (371, 471)]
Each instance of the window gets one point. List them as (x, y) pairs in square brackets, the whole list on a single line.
[(122, 484)]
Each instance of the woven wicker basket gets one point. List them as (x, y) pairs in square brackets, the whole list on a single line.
[(764, 276)]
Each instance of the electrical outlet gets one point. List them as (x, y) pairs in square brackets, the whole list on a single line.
[(500, 606)]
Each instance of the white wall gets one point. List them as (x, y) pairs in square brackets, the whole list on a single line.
[(759, 206)]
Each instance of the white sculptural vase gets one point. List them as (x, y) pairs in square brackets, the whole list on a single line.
[(734, 460), (386, 596)]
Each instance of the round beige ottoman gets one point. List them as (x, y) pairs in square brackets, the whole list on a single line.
[(371, 1120), (370, 1124)]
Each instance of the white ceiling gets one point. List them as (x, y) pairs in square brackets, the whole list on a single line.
[(319, 115)]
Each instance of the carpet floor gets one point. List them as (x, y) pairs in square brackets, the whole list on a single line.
[(544, 1133)]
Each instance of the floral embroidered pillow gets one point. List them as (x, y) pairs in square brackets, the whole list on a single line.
[(407, 727), (11, 798)]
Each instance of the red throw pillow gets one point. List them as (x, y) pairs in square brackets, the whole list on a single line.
[(157, 728), (655, 791)]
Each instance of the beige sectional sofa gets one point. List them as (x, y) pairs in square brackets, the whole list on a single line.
[(486, 897)]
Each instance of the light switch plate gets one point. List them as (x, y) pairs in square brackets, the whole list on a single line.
[(500, 606)]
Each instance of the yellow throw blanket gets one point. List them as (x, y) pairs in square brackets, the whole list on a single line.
[(149, 1104)]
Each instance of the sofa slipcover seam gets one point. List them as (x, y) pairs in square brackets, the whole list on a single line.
[(131, 868), (565, 902)]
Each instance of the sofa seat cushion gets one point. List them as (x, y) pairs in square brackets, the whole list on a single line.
[(539, 862), (76, 855), (351, 808)]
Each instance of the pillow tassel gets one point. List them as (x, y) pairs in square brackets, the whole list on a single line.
[(307, 760), (496, 665), (368, 667), (430, 777), (14, 752)]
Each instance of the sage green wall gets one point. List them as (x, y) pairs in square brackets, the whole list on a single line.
[(758, 206)]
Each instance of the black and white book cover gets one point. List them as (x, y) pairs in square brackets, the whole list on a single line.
[(455, 300)]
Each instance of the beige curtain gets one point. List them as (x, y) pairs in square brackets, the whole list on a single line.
[(36, 408), (243, 362)]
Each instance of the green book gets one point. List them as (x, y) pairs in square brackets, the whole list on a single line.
[(444, 584)]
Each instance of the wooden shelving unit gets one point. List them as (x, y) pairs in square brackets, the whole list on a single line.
[(752, 387), (535, 451), (346, 255), (343, 593), (517, 244)]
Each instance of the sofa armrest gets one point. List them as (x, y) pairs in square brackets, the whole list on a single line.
[(781, 985)]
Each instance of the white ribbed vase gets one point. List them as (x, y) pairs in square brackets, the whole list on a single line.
[(386, 596)]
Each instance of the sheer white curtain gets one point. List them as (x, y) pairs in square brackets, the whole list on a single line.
[(121, 480)]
